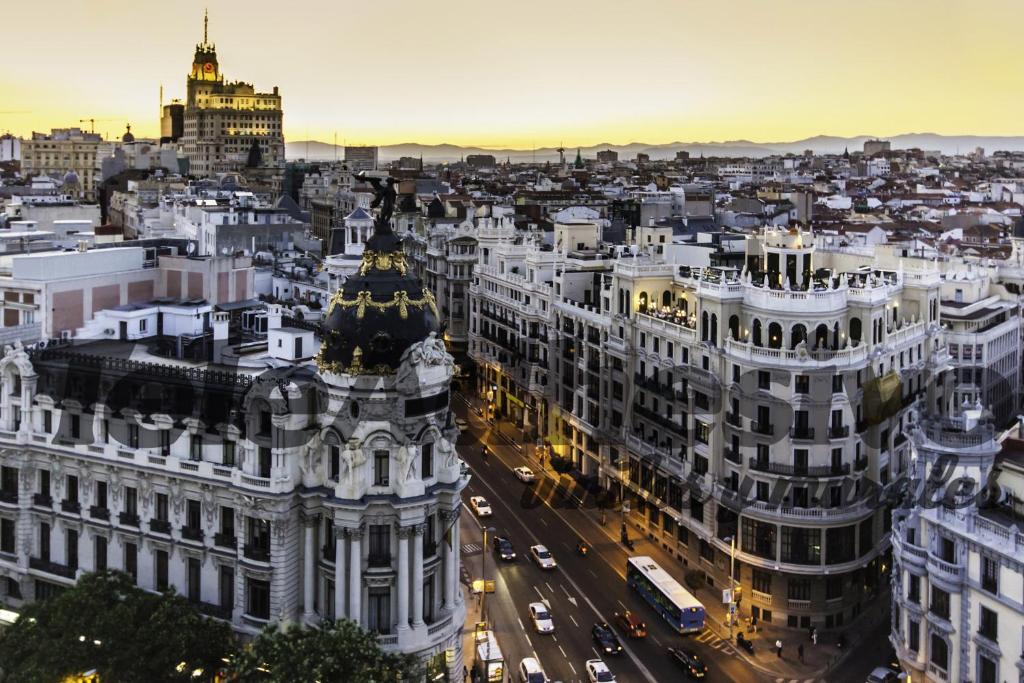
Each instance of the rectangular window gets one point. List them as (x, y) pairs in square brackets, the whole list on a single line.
[(133, 436), (381, 468), (72, 490), (100, 553), (165, 442), (427, 461), (195, 447), (76, 426), (940, 603), (228, 454), (161, 507), (988, 624), (913, 635), (101, 495), (195, 578), (940, 652), (799, 589), (48, 421), (802, 384), (334, 462), (258, 598), (131, 560), (378, 612), (71, 548), (758, 538), (380, 545), (264, 462), (837, 384), (193, 519), (764, 379), (990, 575), (761, 581), (914, 589), (44, 542), (7, 536), (161, 569)]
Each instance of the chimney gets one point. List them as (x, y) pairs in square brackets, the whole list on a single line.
[(220, 335), (273, 317), (83, 246)]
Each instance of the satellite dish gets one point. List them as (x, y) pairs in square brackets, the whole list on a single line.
[(191, 249)]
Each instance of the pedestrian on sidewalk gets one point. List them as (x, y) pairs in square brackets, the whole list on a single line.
[(465, 674), (800, 653), (778, 649), (814, 636)]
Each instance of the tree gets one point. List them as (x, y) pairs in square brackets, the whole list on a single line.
[(334, 651), (126, 634)]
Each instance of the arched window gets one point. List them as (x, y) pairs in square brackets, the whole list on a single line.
[(704, 326), (755, 332), (666, 298), (775, 336), (714, 329), (622, 303), (734, 326), (642, 302), (821, 336), (796, 335), (856, 333)]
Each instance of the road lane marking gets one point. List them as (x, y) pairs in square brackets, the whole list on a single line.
[(538, 592), (527, 636), (553, 638), (521, 624), (655, 639), (573, 621), (596, 653), (623, 604), (563, 652), (572, 667), (644, 671), (549, 586), (542, 521), (592, 573)]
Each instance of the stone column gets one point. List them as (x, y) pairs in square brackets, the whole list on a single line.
[(311, 524), (404, 532), (417, 575), (339, 573), (451, 554), (355, 574)]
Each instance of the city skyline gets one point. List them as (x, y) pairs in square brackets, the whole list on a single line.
[(529, 85)]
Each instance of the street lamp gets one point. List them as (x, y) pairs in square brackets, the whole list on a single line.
[(732, 583), (483, 571)]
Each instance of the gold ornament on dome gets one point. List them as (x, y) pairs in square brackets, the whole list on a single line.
[(376, 260), (364, 300), (356, 368)]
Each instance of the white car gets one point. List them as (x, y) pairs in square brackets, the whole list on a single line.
[(541, 617), (542, 556), (530, 671), (480, 506), (525, 474), (598, 672)]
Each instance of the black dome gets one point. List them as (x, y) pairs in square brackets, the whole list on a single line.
[(377, 314)]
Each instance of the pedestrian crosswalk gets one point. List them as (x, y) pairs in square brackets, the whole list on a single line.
[(470, 548), (709, 638)]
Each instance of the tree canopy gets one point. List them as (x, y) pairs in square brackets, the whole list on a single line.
[(105, 622), (335, 651)]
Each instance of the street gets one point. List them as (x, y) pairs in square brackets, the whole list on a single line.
[(580, 592)]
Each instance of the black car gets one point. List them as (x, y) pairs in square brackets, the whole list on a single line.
[(692, 665), (503, 548), (605, 639)]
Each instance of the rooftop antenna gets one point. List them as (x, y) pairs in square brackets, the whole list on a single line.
[(206, 21)]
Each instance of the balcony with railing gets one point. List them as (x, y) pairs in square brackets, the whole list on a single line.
[(9, 496), (71, 506), (801, 433), (223, 540), (192, 534), (766, 428), (950, 571), (838, 431), (160, 526), (128, 519), (43, 500), (50, 567), (97, 512), (797, 470)]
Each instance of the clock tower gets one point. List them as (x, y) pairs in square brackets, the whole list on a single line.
[(204, 64)]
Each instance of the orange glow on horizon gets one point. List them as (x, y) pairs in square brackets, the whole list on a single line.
[(532, 73)]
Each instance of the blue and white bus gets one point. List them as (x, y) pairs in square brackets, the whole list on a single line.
[(673, 602)]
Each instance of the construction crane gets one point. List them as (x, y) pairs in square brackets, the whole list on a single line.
[(92, 123)]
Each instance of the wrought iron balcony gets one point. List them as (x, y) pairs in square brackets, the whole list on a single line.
[(160, 526)]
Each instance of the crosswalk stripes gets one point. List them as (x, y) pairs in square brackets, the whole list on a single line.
[(471, 548), (714, 642)]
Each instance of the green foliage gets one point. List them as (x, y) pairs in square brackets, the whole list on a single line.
[(560, 464), (335, 651), (106, 623)]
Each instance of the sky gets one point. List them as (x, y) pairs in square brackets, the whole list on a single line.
[(531, 73)]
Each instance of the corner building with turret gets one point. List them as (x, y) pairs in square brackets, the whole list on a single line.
[(262, 483)]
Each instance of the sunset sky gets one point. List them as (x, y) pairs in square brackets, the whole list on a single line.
[(523, 73)]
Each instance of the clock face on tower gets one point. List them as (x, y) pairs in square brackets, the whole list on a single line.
[(208, 68)]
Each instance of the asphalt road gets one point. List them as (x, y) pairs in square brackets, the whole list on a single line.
[(580, 592)]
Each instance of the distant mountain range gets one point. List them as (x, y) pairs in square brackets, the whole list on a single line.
[(314, 150)]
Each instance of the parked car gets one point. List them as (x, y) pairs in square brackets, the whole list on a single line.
[(541, 618), (530, 671), (598, 672), (605, 639), (630, 624), (525, 475), (480, 506), (542, 556), (503, 547), (691, 664)]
